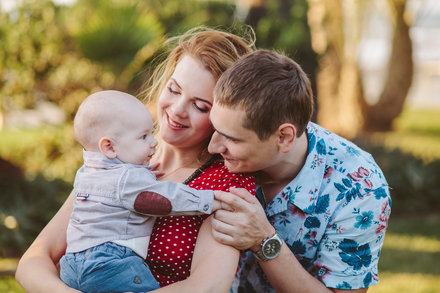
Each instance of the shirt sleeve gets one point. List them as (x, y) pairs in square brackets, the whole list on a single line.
[(138, 184), (348, 254)]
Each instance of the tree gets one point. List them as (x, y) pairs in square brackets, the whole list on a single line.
[(341, 102), (39, 61), (282, 26)]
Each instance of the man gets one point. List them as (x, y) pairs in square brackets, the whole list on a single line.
[(323, 204)]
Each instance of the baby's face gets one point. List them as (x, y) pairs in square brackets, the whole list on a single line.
[(135, 143)]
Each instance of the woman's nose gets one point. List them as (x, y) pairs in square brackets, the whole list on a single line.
[(180, 107)]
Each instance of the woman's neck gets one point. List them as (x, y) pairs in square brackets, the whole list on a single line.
[(177, 163)]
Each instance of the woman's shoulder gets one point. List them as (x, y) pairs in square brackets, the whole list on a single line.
[(217, 177)]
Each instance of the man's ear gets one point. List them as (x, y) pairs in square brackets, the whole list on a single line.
[(106, 147), (286, 137)]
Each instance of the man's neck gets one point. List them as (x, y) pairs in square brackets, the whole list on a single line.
[(277, 176)]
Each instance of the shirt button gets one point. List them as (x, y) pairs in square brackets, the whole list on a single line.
[(205, 207)]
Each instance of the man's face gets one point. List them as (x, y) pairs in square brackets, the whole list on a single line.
[(241, 148)]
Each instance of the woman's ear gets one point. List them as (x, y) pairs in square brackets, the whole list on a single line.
[(287, 134), (106, 147)]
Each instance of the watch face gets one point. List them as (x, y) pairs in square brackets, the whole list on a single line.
[(271, 248)]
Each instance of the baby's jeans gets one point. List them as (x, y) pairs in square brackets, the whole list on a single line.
[(108, 267)]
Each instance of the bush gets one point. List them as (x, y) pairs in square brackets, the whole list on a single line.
[(414, 183), (30, 198), (25, 207)]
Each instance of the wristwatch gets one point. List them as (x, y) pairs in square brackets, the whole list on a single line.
[(270, 247)]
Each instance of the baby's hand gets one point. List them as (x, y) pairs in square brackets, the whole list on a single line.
[(153, 168)]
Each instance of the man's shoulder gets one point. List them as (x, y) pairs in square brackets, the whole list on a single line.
[(346, 164), (337, 148)]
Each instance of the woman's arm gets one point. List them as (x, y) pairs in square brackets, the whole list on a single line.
[(37, 271), (213, 266)]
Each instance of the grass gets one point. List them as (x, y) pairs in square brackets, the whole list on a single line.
[(9, 285), (417, 132), (410, 256)]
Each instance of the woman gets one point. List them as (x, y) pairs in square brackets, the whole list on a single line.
[(185, 83)]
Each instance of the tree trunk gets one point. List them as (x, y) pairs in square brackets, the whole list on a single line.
[(379, 117), (339, 86), (341, 104)]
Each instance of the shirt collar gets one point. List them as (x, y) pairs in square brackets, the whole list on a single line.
[(302, 191), (98, 160)]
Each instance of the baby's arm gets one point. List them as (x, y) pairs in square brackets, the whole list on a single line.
[(141, 192)]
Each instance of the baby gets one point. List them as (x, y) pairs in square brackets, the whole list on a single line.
[(116, 194)]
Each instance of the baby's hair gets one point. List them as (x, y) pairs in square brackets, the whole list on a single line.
[(96, 117)]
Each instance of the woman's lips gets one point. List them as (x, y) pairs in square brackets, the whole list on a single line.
[(174, 124)]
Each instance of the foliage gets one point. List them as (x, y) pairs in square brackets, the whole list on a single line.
[(410, 159), (178, 16), (39, 63), (282, 25), (113, 32), (414, 184), (50, 152), (50, 158), (21, 216)]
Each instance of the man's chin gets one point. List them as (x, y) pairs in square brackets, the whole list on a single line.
[(231, 166), (234, 167)]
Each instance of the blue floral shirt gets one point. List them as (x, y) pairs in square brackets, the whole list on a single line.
[(332, 216)]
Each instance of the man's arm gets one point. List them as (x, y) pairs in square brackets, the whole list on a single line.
[(36, 271), (246, 227)]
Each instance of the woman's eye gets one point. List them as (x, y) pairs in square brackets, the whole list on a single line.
[(171, 90), (201, 108)]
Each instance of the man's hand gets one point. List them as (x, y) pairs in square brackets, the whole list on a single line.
[(243, 224)]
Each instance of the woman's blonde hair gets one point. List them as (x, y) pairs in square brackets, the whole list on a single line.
[(216, 49)]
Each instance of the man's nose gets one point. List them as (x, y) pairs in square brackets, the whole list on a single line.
[(215, 146)]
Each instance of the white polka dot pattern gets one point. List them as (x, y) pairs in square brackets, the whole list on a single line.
[(173, 239)]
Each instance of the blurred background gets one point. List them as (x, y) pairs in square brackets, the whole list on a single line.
[(375, 67)]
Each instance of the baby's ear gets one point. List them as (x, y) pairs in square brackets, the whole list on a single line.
[(106, 147)]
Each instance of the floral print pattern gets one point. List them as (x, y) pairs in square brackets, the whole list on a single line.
[(332, 216)]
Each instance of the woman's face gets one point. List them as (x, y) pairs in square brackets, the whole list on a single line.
[(184, 104)]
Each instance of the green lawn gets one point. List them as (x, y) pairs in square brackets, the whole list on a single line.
[(416, 132), (410, 257)]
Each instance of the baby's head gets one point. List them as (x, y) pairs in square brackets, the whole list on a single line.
[(116, 124)]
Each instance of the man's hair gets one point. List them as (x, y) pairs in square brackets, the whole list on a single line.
[(271, 88)]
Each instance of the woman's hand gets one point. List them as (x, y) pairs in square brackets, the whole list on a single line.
[(244, 224)]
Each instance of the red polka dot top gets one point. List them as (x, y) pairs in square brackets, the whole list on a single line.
[(174, 238)]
